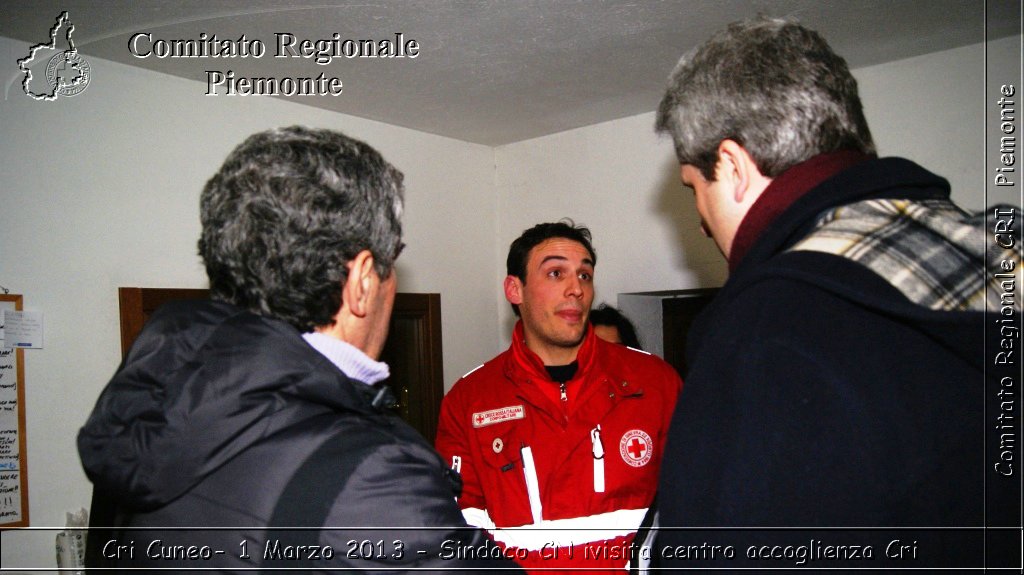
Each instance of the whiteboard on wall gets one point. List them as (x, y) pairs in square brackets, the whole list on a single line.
[(13, 457)]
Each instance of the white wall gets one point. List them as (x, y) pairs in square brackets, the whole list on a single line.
[(101, 190), (934, 110), (622, 181)]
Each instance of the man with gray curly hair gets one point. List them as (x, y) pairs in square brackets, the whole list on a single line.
[(253, 431), (838, 378)]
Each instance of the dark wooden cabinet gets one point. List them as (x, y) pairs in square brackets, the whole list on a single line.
[(663, 319)]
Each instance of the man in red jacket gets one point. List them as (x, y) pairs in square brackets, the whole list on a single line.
[(559, 438)]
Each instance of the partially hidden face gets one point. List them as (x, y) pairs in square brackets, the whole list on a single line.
[(705, 194), (608, 333)]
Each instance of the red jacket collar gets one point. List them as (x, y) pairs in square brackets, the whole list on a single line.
[(524, 361)]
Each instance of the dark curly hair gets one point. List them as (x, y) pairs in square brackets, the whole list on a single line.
[(607, 315), (287, 211), (519, 251)]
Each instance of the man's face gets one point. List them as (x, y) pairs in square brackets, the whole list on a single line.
[(554, 302), (709, 205)]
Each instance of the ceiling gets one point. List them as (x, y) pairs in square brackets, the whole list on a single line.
[(498, 71)]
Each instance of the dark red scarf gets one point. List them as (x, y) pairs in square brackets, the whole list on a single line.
[(785, 189)]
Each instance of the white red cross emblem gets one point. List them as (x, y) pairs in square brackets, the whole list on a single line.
[(636, 448)]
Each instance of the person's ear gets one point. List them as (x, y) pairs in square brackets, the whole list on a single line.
[(736, 167), (513, 290), (360, 284)]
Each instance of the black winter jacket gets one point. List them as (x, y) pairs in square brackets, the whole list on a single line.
[(819, 397), (219, 418)]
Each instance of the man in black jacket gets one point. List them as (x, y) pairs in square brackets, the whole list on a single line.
[(840, 378), (253, 431)]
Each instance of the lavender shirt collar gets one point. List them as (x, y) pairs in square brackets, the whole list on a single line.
[(349, 359)]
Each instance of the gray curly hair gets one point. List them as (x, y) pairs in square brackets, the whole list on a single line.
[(287, 211), (771, 85)]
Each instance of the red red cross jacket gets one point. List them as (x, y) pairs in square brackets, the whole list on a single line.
[(560, 483)]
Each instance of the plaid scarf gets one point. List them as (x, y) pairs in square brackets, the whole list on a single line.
[(936, 254)]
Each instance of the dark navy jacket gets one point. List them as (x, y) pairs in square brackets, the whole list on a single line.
[(818, 396)]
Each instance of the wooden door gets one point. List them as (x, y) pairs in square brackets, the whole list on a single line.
[(413, 350), (138, 304), (413, 353)]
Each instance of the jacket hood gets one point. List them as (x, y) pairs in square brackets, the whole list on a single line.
[(960, 332), (873, 179), (203, 381)]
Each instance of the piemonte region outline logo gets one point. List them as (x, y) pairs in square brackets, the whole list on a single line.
[(67, 73)]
